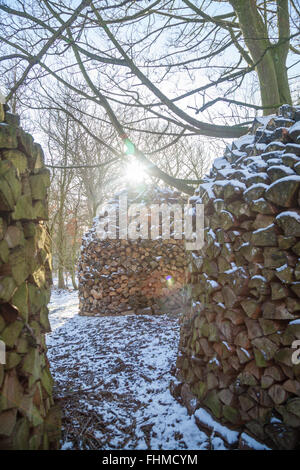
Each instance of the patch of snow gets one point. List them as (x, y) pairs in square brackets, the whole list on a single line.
[(281, 268), (263, 228), (258, 276), (214, 360), (251, 442), (261, 175), (286, 178), (214, 284), (256, 186), (275, 420), (227, 345), (295, 215), (276, 142), (295, 322), (67, 445), (217, 444), (264, 120), (211, 233), (235, 268), (204, 417), (118, 369), (287, 170), (246, 352), (244, 140), (295, 127), (235, 183), (220, 163), (260, 147)]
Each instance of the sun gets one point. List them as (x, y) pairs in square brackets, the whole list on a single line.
[(135, 172)]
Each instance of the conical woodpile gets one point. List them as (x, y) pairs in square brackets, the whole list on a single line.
[(238, 334), (28, 419), (125, 276)]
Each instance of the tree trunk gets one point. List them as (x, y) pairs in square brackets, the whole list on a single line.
[(268, 84), (282, 79), (61, 280), (61, 215), (281, 51), (61, 238), (270, 60), (73, 277)]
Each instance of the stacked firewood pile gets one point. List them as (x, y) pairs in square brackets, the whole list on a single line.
[(28, 419), (126, 276), (238, 333)]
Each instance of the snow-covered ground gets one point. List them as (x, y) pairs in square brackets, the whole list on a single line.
[(112, 377)]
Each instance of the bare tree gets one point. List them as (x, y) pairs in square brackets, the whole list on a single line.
[(58, 140), (78, 186), (150, 55)]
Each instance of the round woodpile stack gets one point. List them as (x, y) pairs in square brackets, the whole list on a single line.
[(238, 333), (28, 419), (126, 276)]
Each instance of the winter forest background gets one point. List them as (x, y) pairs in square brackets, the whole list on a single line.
[(135, 93), (163, 67)]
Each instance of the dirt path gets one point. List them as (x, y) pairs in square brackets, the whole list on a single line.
[(112, 377)]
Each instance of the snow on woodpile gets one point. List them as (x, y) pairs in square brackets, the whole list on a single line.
[(132, 276), (236, 353)]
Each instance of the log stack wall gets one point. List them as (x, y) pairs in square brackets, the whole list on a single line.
[(28, 417), (125, 276), (243, 316)]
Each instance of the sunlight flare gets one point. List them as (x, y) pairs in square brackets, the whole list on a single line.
[(135, 172)]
